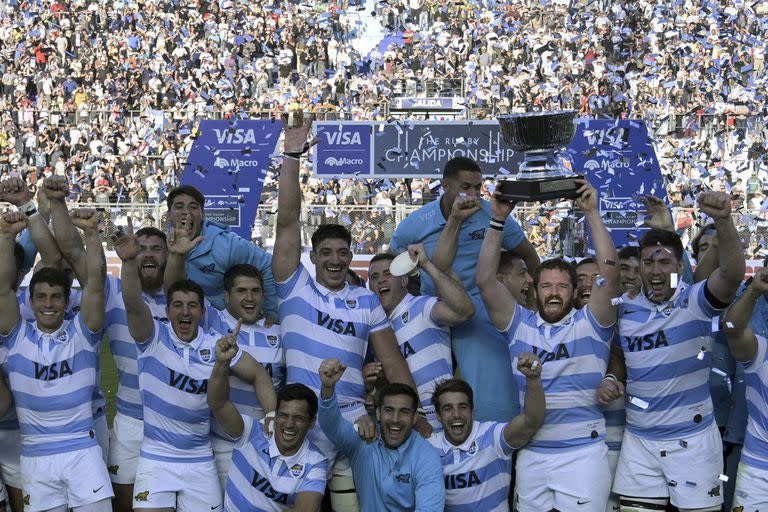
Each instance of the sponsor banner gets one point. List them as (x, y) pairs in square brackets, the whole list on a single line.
[(344, 149), (227, 162), (440, 103), (619, 160)]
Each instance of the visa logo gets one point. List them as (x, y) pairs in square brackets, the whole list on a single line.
[(342, 138), (235, 136)]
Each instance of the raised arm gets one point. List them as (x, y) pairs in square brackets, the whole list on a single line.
[(221, 406), (140, 321), (11, 224), (499, 301), (445, 250), (339, 431), (249, 370), (707, 260), (522, 427), (605, 253), (287, 252), (92, 302), (725, 280), (384, 345), (67, 236), (455, 305), (736, 321)]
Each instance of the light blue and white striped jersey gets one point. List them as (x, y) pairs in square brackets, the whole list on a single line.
[(262, 479), (574, 356), (425, 346), (123, 346), (263, 344), (667, 353), (52, 378), (173, 378), (318, 323), (755, 451), (478, 472)]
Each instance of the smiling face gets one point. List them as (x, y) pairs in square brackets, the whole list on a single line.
[(555, 295), (397, 415), (185, 312), (585, 278), (245, 299), (188, 213), (49, 303), (657, 264), (332, 259), (152, 256), (516, 279), (629, 270), (456, 415), (292, 422), (390, 289)]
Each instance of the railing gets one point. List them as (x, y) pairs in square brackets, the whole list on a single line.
[(551, 230)]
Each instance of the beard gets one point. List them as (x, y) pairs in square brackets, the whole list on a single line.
[(151, 283), (552, 317)]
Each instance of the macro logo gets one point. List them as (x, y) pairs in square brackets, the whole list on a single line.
[(332, 161), (221, 163), (591, 165)]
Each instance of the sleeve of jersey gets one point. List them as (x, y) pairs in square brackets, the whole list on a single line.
[(401, 238), (379, 320), (315, 479), (340, 432), (91, 338), (429, 305), (698, 295), (159, 329), (502, 448), (245, 437), (244, 251), (760, 357), (513, 234), (604, 332), (9, 340), (295, 282), (30, 250), (515, 322)]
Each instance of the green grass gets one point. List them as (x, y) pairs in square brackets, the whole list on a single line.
[(108, 379)]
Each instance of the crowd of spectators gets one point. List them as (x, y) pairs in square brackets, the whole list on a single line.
[(108, 92)]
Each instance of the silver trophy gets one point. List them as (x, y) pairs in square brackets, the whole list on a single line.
[(541, 137)]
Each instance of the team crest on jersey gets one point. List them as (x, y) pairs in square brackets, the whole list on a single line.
[(113, 469), (351, 303), (62, 336), (405, 317), (472, 448), (297, 470), (667, 310), (272, 340), (26, 499), (205, 354)]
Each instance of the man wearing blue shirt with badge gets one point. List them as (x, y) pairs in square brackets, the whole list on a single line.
[(400, 470), (458, 220)]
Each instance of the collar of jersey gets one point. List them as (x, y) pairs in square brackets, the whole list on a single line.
[(667, 303), (52, 335), (342, 294), (193, 344), (274, 451), (563, 321), (232, 322), (403, 305), (464, 447), (400, 449)]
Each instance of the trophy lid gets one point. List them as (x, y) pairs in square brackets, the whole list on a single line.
[(538, 130)]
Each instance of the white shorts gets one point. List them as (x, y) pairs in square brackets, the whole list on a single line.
[(222, 452), (338, 463), (102, 435), (569, 480), (685, 469), (74, 479), (183, 486), (124, 447), (613, 498), (751, 489), (10, 457)]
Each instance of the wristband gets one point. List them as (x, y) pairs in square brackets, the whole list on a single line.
[(270, 414), (497, 224), (236, 358), (610, 376), (29, 208), (421, 412), (297, 154), (292, 156)]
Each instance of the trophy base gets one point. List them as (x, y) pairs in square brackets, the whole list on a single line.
[(543, 189)]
